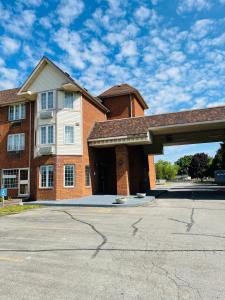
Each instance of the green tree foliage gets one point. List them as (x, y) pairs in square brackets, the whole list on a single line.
[(166, 170), (218, 162), (184, 163), (199, 166)]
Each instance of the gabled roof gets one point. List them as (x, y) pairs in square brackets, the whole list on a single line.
[(123, 89), (40, 67), (142, 125), (10, 96)]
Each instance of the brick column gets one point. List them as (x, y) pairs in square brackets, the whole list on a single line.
[(122, 170), (152, 176)]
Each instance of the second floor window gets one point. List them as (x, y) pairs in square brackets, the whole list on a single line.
[(69, 134), (47, 101), (16, 142), (17, 112), (46, 134), (68, 101)]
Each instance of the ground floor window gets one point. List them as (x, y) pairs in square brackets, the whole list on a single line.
[(87, 176), (69, 175), (46, 176), (10, 179)]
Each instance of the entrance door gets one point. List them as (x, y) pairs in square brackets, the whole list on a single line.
[(24, 183), (103, 178)]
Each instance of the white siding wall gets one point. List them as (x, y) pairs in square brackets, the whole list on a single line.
[(72, 117), (48, 79)]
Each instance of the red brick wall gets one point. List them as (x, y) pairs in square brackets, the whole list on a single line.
[(137, 109), (91, 114), (119, 107), (122, 170), (152, 176), (9, 160)]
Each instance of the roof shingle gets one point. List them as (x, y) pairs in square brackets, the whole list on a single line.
[(123, 89), (131, 126), (9, 96)]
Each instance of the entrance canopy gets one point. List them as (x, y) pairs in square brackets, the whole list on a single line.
[(156, 131)]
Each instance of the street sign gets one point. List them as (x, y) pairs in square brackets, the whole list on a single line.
[(3, 193)]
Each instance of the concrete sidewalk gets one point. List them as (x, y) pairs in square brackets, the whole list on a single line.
[(96, 201)]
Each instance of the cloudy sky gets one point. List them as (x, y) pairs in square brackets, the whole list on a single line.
[(173, 51)]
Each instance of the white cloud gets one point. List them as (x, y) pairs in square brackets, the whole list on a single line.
[(9, 45), (30, 2), (19, 24), (201, 28), (142, 14), (187, 6), (128, 49), (69, 10)]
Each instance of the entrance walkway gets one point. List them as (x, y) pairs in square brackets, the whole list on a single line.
[(97, 201)]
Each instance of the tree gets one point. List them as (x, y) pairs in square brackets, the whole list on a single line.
[(218, 162), (199, 166), (184, 163), (166, 170)]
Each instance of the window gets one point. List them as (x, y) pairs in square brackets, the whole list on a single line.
[(69, 134), (16, 142), (68, 101), (47, 101), (46, 176), (17, 112), (87, 176), (10, 179), (46, 134), (69, 175)]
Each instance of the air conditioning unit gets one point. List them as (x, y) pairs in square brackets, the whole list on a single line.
[(46, 114), (46, 150)]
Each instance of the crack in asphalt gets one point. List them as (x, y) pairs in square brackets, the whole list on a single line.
[(136, 228), (188, 224), (201, 234), (115, 250), (104, 238), (172, 277)]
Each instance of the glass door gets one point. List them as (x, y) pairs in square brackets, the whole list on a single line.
[(24, 183)]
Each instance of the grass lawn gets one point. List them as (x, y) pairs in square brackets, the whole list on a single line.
[(15, 209)]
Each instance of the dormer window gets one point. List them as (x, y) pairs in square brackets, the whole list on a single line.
[(47, 100), (17, 112), (68, 101)]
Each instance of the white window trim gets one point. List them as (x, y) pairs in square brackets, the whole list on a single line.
[(14, 112), (47, 178), (40, 104), (64, 139), (15, 150), (48, 125), (69, 186), (64, 100)]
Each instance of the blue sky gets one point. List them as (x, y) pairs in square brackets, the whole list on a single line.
[(173, 51)]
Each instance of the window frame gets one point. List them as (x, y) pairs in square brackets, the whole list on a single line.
[(47, 167), (74, 176), (47, 134), (14, 136), (71, 126), (47, 108), (64, 102), (89, 178), (22, 112)]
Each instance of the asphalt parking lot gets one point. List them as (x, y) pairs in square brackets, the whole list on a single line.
[(174, 248)]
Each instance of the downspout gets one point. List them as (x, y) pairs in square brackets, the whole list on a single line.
[(30, 149), (131, 108)]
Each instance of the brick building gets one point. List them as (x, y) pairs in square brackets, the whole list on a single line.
[(49, 148)]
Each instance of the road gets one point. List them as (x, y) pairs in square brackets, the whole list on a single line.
[(174, 248)]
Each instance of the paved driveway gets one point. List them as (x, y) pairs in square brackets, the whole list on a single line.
[(172, 249)]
